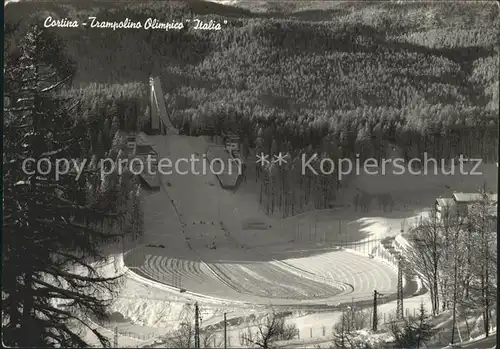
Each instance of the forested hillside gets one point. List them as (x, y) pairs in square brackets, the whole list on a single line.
[(337, 79), (99, 111), (61, 216)]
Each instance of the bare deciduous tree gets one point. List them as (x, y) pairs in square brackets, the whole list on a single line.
[(345, 331), (483, 236), (427, 254), (270, 329), (184, 335), (208, 338)]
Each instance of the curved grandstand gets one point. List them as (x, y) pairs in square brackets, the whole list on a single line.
[(204, 239)]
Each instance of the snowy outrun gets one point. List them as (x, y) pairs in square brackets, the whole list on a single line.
[(253, 174)]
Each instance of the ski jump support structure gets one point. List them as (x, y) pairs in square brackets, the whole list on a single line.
[(160, 122)]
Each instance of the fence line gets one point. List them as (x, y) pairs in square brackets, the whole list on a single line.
[(239, 337)]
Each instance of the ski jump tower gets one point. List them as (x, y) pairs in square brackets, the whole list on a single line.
[(160, 122)]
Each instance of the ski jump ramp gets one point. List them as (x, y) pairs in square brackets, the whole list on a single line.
[(160, 121)]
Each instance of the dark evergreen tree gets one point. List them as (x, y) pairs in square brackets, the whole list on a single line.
[(51, 228), (115, 119), (413, 332)]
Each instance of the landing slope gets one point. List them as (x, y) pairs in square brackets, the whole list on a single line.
[(220, 243)]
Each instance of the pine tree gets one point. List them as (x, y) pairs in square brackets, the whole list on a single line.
[(414, 331), (115, 124), (417, 331), (50, 286), (137, 216)]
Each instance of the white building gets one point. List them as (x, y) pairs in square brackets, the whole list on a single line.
[(460, 203)]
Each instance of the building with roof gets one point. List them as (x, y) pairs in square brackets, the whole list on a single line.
[(131, 143), (232, 142), (464, 201), (142, 159), (460, 204), (445, 208)]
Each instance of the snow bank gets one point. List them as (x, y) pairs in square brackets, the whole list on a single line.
[(196, 296), (149, 312)]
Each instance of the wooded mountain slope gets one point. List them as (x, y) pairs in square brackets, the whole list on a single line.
[(422, 75)]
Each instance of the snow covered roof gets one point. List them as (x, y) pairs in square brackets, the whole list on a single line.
[(472, 197), (230, 176), (466, 197)]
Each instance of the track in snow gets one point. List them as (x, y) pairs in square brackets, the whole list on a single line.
[(259, 278)]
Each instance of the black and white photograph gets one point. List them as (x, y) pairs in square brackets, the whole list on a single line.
[(250, 174)]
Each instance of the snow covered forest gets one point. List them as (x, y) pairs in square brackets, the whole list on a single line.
[(422, 78), (358, 80)]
